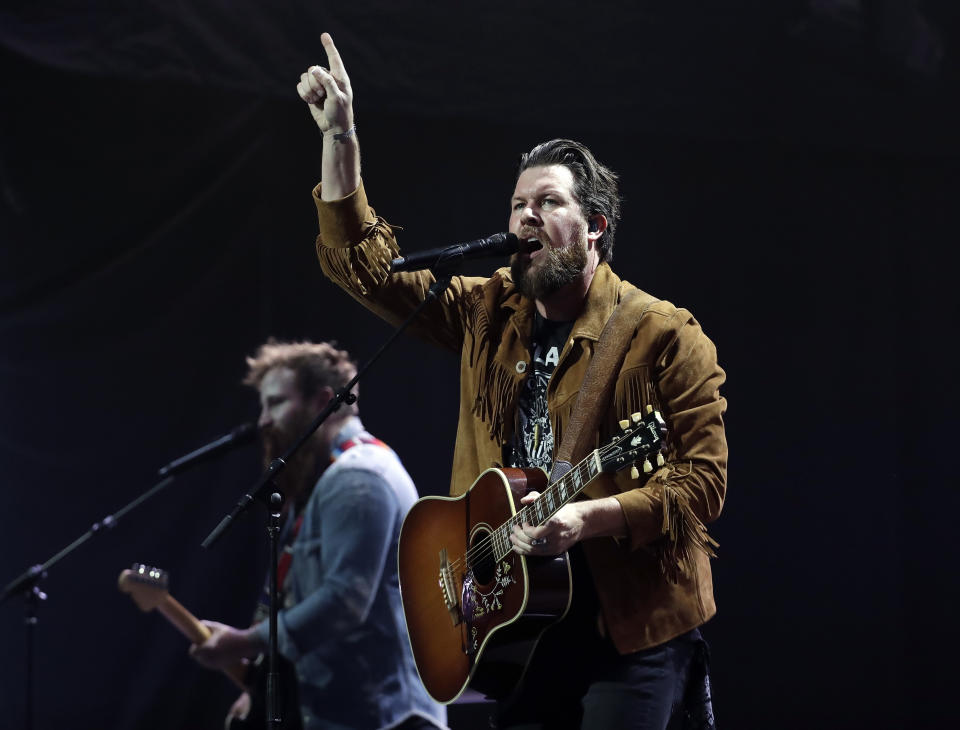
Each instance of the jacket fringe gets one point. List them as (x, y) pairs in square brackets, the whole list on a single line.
[(371, 257), (681, 532), (633, 395), (497, 385), (495, 397), (479, 346), (559, 418)]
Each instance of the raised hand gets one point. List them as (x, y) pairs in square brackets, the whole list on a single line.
[(328, 92)]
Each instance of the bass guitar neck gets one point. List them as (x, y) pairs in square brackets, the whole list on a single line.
[(147, 587)]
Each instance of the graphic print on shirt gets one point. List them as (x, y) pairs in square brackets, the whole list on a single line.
[(532, 444)]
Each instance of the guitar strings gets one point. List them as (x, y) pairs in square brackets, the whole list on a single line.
[(486, 547), (483, 548)]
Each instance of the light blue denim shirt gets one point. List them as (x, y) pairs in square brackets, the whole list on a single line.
[(345, 631)]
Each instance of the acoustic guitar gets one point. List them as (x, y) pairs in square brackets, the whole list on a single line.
[(148, 587), (474, 608)]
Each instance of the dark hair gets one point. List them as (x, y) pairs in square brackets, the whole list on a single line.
[(315, 364), (594, 184)]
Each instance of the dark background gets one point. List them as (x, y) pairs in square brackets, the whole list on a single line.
[(790, 174)]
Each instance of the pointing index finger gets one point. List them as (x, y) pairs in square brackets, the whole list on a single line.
[(333, 56)]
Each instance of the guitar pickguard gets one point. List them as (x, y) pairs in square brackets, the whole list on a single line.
[(484, 584), (480, 600)]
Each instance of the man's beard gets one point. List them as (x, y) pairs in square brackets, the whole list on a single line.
[(298, 476), (562, 266)]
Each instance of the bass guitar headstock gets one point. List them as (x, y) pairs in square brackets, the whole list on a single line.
[(146, 585)]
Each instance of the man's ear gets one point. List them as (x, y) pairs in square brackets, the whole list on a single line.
[(596, 225), (321, 398)]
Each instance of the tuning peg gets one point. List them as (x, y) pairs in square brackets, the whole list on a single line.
[(634, 473), (637, 417), (647, 466), (660, 460), (625, 424), (649, 409)]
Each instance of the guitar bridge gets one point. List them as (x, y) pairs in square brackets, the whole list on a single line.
[(448, 587)]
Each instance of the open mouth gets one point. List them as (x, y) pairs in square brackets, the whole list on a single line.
[(529, 245)]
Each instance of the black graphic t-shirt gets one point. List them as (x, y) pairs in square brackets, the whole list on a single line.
[(532, 444)]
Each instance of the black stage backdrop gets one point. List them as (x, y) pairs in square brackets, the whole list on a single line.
[(790, 174)]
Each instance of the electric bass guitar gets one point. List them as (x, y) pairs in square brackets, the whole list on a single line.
[(474, 608), (148, 587)]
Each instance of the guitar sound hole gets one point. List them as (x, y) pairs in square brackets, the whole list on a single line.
[(481, 562)]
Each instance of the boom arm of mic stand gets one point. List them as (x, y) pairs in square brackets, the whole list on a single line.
[(25, 582)]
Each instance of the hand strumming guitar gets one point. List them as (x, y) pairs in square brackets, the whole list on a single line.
[(571, 523)]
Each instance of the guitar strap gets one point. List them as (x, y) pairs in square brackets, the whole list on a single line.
[(286, 555), (580, 433)]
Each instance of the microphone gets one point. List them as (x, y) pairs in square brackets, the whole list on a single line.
[(499, 244), (237, 437)]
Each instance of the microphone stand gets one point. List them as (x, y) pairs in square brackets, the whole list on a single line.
[(28, 584), (275, 500)]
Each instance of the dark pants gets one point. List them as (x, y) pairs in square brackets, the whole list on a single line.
[(578, 680)]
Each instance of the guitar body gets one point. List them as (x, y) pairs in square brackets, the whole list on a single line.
[(481, 631)]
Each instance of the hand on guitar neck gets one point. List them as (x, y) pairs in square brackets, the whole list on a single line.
[(216, 646), (147, 586), (226, 646)]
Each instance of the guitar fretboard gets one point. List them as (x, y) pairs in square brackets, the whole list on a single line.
[(547, 504)]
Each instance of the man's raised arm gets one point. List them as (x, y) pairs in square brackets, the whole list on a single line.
[(330, 99)]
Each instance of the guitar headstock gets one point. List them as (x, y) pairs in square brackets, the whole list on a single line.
[(641, 438), (146, 585)]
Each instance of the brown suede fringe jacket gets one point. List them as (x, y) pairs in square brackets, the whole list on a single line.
[(655, 584)]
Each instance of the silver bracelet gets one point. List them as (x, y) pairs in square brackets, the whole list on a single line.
[(340, 136)]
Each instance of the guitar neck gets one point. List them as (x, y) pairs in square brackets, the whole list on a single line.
[(549, 502), (188, 625), (641, 436), (183, 620)]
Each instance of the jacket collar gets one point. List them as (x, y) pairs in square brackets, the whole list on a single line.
[(352, 427), (602, 297)]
